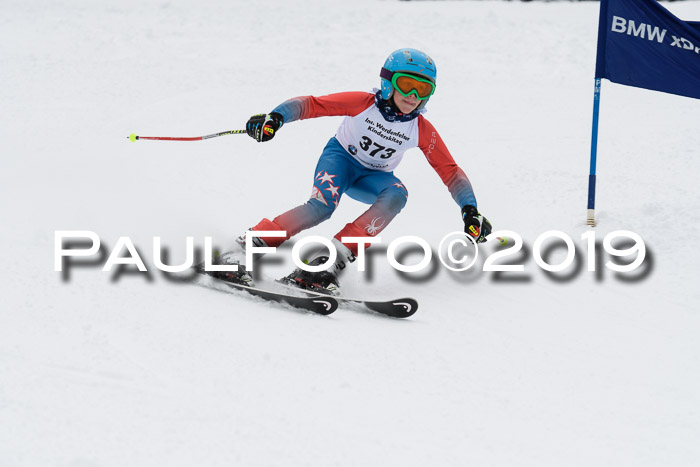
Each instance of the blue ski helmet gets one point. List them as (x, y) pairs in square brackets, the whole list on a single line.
[(410, 61)]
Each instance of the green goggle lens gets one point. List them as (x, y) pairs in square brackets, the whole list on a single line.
[(409, 84)]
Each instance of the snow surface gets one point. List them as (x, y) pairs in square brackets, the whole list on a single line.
[(112, 370)]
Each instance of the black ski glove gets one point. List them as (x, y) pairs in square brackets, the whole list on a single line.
[(475, 225), (262, 127)]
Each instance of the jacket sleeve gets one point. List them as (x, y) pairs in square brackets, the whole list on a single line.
[(430, 142), (343, 103)]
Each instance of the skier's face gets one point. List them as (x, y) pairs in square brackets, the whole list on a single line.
[(406, 105)]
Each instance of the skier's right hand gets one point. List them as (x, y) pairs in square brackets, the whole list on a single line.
[(475, 225), (262, 127)]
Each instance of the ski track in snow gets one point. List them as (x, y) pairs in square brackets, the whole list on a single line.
[(105, 370)]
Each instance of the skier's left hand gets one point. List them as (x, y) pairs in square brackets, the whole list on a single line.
[(475, 225), (263, 127)]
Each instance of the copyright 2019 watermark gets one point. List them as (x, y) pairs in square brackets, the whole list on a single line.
[(456, 252)]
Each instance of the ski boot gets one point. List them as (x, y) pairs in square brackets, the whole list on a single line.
[(235, 256), (325, 282)]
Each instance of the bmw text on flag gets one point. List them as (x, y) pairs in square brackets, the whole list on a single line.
[(649, 32)]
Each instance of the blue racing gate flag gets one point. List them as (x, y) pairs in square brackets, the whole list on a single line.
[(641, 44)]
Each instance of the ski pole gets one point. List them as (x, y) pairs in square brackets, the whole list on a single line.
[(132, 137)]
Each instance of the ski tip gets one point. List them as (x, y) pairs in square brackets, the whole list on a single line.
[(406, 307), (325, 305), (399, 308)]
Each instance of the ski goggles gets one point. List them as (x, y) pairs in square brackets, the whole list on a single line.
[(407, 84)]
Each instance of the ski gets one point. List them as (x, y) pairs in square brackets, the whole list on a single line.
[(398, 308), (322, 305)]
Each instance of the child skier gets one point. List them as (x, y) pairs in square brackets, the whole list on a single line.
[(359, 161)]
